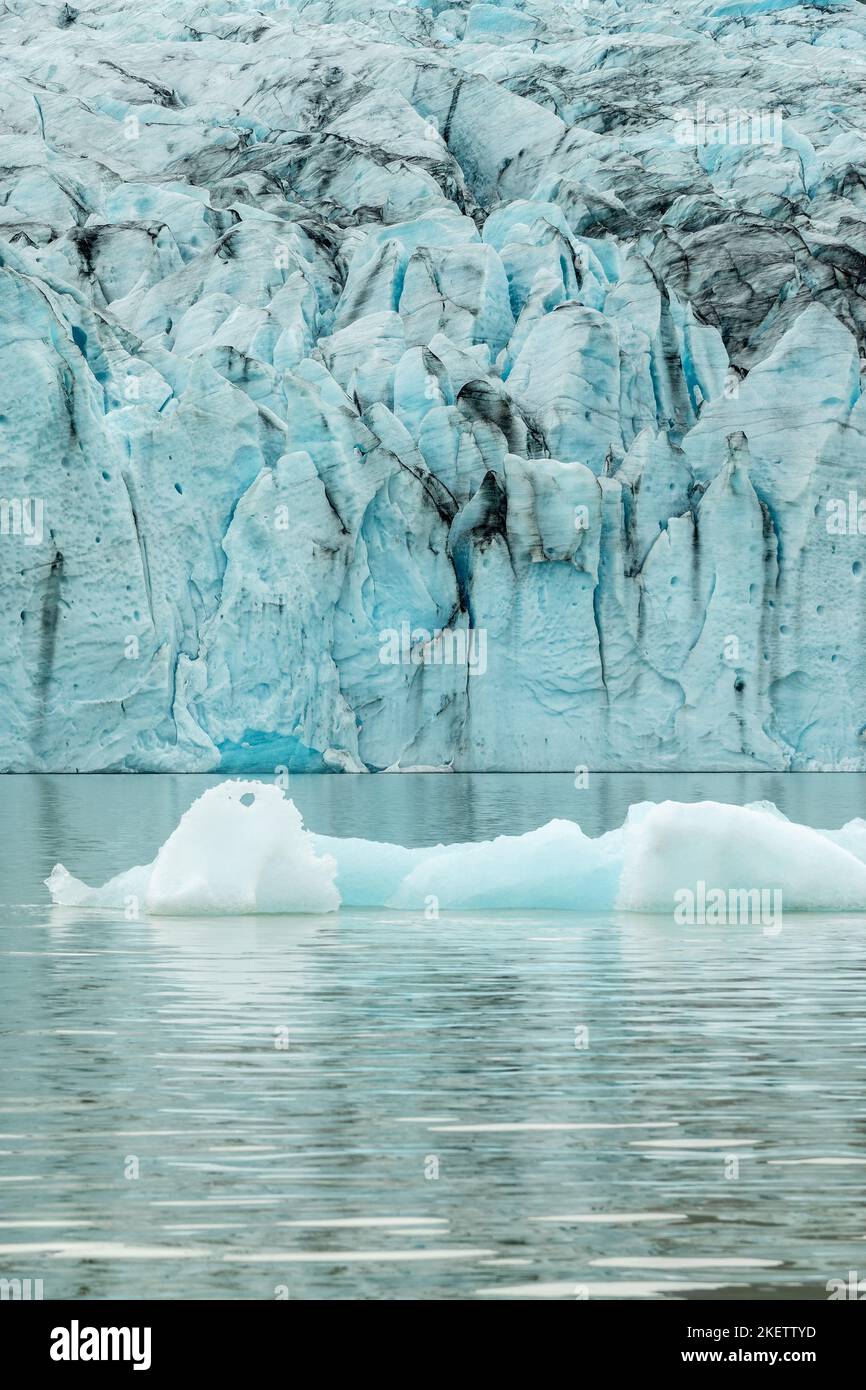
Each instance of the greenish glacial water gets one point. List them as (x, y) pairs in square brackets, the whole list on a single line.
[(373, 1105)]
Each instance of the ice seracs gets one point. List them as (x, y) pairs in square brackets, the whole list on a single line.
[(316, 322)]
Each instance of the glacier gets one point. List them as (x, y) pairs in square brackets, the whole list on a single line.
[(242, 849), (325, 320)]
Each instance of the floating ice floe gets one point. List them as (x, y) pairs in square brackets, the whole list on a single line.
[(242, 848)]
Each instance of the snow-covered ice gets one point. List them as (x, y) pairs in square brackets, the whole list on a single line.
[(241, 848), (319, 317)]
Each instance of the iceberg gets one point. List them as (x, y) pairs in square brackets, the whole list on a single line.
[(242, 849), (538, 321)]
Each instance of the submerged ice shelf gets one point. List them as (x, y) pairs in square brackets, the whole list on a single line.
[(241, 849), (536, 325)]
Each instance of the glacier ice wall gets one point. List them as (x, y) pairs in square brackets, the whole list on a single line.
[(432, 385)]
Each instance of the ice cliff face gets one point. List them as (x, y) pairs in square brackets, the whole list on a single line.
[(432, 385)]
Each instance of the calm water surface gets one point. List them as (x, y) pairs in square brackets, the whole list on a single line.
[(372, 1105)]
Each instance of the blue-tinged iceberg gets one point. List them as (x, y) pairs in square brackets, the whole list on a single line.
[(392, 385), (241, 849)]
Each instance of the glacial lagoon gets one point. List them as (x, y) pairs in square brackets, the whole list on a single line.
[(377, 1104)]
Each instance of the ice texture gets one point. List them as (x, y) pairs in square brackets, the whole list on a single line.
[(241, 848), (323, 319)]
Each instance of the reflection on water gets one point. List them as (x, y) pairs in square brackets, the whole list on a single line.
[(375, 1105)]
